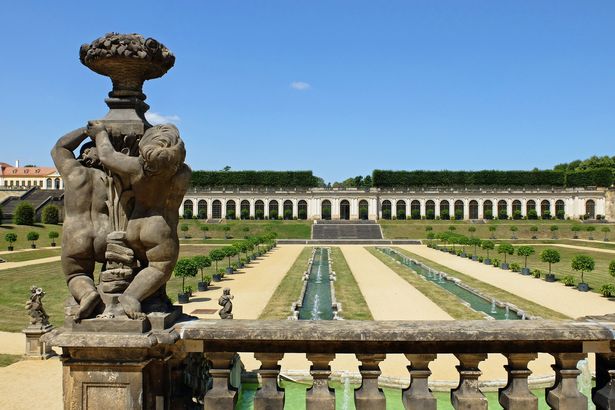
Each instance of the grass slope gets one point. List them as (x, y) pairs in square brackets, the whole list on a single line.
[(347, 290)]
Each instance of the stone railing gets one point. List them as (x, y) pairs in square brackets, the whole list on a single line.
[(421, 342)]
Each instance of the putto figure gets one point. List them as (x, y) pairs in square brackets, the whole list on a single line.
[(34, 306), (226, 301)]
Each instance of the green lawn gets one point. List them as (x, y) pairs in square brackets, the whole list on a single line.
[(529, 307), (22, 256), (347, 290), (240, 229), (9, 359), (289, 289), (22, 231)]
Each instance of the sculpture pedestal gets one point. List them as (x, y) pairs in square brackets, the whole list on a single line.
[(35, 347)]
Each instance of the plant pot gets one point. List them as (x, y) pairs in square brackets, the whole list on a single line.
[(252, 257), (241, 265), (53, 244), (217, 277), (33, 246), (183, 298), (534, 237), (487, 261), (463, 254), (474, 258), (202, 286), (583, 287), (550, 277), (11, 248), (525, 271), (575, 237), (504, 266), (229, 270)]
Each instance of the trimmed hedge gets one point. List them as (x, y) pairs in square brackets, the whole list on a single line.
[(287, 179), (389, 179)]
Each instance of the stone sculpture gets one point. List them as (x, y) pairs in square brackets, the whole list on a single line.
[(227, 305), (34, 306), (123, 192)]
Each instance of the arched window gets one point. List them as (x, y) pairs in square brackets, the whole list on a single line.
[(288, 209), (244, 209), (259, 209), (48, 183), (363, 209), (530, 209), (202, 209), (231, 211), (216, 209), (415, 209), (57, 183), (430, 209), (502, 209), (274, 211), (459, 209), (326, 209), (445, 210), (473, 209), (516, 208), (488, 209), (302, 209), (401, 209), (545, 209), (188, 210), (345, 210), (386, 209), (560, 209), (590, 209)]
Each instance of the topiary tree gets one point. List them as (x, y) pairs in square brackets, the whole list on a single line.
[(217, 255), (532, 214), (550, 256), (554, 229), (583, 263), (202, 262), (534, 231), (185, 268), (226, 230), (24, 214), (575, 231), (472, 229), (452, 228), (612, 268), (525, 251), (487, 245), (514, 230), (184, 228), (11, 238), (32, 236), (229, 252), (204, 229), (188, 214), (53, 235), (474, 242), (506, 249), (51, 215), (590, 229), (606, 230), (428, 228), (492, 229)]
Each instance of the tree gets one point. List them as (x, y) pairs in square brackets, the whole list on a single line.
[(24, 214), (487, 245), (472, 229), (534, 231), (184, 228), (583, 263), (204, 229), (606, 230), (550, 256), (202, 262), (188, 214), (590, 229), (226, 230), (492, 229), (53, 235), (474, 242), (229, 252), (532, 214), (217, 255), (525, 251), (51, 215), (506, 249), (32, 236), (514, 229), (612, 268), (185, 268), (428, 228), (554, 229), (11, 238), (452, 228), (575, 231)]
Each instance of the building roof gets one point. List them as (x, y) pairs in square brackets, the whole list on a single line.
[(9, 171)]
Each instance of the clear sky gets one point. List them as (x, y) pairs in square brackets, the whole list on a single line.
[(338, 87)]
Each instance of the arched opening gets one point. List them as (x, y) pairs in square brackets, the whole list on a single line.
[(345, 210), (430, 209), (516, 208), (302, 209), (188, 209), (202, 209), (590, 209), (48, 183), (57, 183), (259, 209), (363, 209), (530, 209), (386, 209), (274, 211), (231, 212), (415, 209), (445, 210), (545, 209), (459, 209), (288, 209), (401, 209), (560, 209), (488, 209), (244, 209), (473, 209), (502, 209), (216, 209), (325, 211)]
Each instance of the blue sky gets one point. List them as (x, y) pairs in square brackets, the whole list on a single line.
[(338, 87)]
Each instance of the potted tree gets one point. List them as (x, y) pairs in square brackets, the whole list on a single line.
[(202, 262), (513, 230), (606, 230), (53, 235), (476, 243), (505, 249), (583, 263), (492, 229), (575, 231), (204, 229), (184, 228), (226, 230), (534, 231), (550, 256), (472, 229), (590, 229), (525, 251), (185, 268), (554, 229), (11, 238), (229, 252), (487, 245), (32, 236), (217, 255)]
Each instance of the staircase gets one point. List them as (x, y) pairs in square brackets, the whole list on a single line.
[(36, 197), (331, 230)]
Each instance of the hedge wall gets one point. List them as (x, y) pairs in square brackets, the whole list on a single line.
[(287, 179), (389, 179)]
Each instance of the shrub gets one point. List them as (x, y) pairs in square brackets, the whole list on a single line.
[(184, 228), (445, 215), (537, 273), (488, 214), (187, 214), (53, 235), (202, 214), (386, 213), (532, 214), (612, 268), (302, 213), (11, 238), (480, 259), (534, 230), (561, 214), (568, 280), (458, 215), (514, 230), (502, 214), (515, 267), (472, 229), (24, 214), (430, 214), (546, 215), (51, 215), (492, 229), (575, 230), (276, 179), (606, 230), (32, 236), (230, 214), (244, 214), (517, 214), (259, 214), (415, 214), (607, 290), (495, 262)]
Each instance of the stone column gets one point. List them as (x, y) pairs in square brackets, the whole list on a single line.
[(320, 396), (266, 204), (295, 208), (222, 395), (516, 395), (565, 395), (269, 396), (369, 396), (418, 396), (467, 395), (422, 206)]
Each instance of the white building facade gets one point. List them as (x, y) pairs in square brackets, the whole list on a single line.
[(417, 203)]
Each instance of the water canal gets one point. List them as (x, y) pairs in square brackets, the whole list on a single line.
[(317, 300)]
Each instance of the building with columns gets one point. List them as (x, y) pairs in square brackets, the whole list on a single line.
[(21, 178), (417, 203)]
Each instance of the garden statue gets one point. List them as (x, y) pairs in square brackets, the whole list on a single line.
[(34, 306), (123, 192), (227, 305)]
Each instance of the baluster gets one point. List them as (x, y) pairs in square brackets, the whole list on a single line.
[(418, 396), (222, 395), (604, 392), (270, 396), (320, 396), (467, 395), (369, 396), (565, 395), (516, 395)]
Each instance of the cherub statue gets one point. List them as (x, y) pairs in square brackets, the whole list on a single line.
[(227, 305), (35, 309)]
